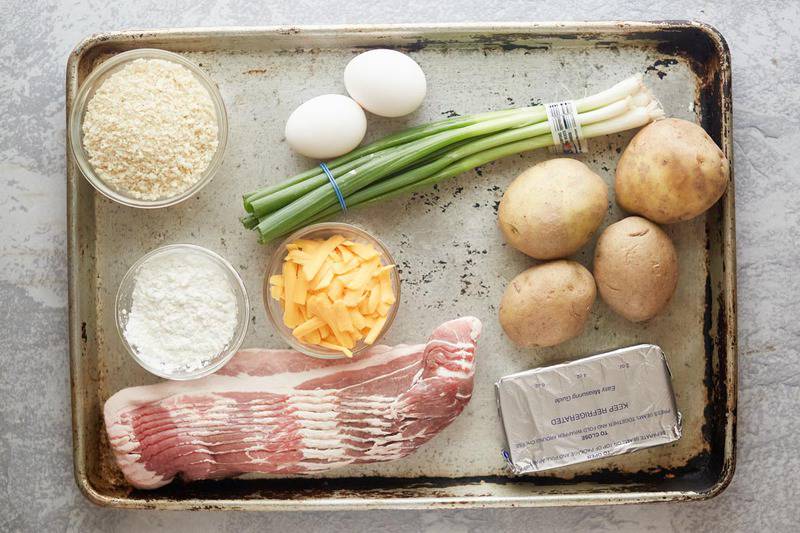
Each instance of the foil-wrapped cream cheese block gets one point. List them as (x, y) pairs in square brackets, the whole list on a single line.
[(603, 405)]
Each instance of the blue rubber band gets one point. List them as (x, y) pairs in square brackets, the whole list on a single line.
[(328, 173)]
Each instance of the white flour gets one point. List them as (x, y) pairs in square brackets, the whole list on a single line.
[(183, 312)]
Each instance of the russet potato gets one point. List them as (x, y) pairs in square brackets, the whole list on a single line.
[(671, 171), (636, 268), (547, 304), (552, 209)]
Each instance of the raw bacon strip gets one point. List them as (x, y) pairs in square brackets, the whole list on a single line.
[(280, 412)]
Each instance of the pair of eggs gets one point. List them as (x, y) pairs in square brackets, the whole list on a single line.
[(384, 82)]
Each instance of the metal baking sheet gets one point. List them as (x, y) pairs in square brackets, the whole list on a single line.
[(451, 254)]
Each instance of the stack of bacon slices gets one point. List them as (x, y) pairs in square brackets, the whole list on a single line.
[(280, 412)]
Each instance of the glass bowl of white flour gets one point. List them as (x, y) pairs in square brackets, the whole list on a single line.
[(182, 311)]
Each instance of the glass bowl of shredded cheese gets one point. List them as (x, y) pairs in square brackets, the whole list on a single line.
[(148, 128), (331, 290), (182, 311)]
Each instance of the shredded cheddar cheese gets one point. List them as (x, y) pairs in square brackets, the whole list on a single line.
[(334, 292)]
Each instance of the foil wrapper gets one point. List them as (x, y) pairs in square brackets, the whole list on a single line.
[(607, 404)]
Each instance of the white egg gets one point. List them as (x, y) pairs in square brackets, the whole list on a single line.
[(326, 126), (385, 82)]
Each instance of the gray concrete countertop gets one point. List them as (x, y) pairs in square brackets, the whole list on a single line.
[(38, 492)]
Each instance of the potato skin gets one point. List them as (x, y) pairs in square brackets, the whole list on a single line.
[(552, 209), (671, 171), (547, 304), (636, 268)]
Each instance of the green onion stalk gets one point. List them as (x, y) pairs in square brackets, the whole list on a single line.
[(424, 155)]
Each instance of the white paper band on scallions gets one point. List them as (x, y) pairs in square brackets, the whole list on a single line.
[(565, 128)]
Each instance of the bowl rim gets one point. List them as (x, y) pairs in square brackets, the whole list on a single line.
[(75, 127), (243, 321), (277, 321)]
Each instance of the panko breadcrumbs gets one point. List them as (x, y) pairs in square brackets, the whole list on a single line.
[(150, 129)]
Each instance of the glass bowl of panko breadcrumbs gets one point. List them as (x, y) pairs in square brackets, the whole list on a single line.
[(148, 128)]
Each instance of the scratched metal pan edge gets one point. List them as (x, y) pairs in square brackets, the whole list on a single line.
[(708, 477)]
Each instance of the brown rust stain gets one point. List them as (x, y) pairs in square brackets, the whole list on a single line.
[(109, 476)]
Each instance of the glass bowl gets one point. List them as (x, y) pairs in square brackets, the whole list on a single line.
[(323, 231), (123, 302), (87, 90)]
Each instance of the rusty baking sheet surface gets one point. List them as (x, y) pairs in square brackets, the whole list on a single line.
[(451, 255)]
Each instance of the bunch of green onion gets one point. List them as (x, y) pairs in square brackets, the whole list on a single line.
[(426, 154)]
